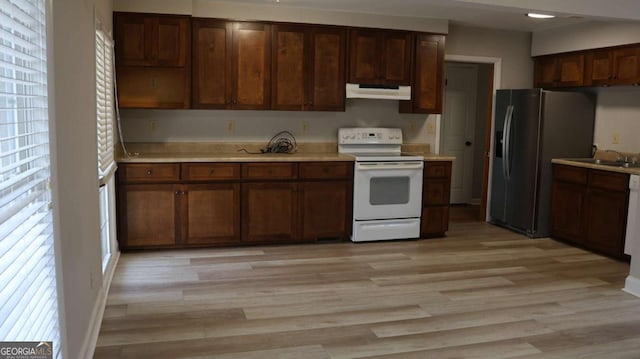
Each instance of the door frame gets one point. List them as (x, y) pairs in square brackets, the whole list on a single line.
[(488, 163)]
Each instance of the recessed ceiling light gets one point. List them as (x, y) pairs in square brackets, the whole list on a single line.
[(540, 16)]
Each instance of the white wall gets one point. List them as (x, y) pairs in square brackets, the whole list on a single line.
[(618, 111), (513, 47), (231, 10), (591, 35), (211, 125), (75, 182)]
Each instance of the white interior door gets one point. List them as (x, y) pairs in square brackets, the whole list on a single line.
[(458, 122)]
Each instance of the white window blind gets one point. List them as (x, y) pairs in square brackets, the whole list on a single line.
[(28, 292), (104, 104)]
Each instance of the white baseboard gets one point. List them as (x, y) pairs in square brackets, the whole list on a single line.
[(475, 201), (632, 286), (91, 339)]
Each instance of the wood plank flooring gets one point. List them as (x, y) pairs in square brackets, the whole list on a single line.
[(481, 292)]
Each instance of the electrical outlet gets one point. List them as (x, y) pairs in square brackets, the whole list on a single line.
[(153, 126), (431, 128), (231, 126), (412, 126), (91, 280), (615, 139), (305, 127)]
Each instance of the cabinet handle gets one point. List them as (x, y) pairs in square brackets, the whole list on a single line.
[(211, 172), (149, 172), (177, 193), (235, 102)]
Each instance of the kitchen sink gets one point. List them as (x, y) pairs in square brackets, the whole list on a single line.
[(607, 162)]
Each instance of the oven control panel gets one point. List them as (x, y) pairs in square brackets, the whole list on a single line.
[(366, 135)]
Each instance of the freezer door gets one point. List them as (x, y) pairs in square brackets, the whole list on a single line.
[(523, 158), (497, 203)]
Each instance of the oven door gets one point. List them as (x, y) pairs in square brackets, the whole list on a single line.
[(386, 190)]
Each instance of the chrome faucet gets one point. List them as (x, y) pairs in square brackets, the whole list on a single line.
[(621, 157)]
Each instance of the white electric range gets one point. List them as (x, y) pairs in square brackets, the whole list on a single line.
[(387, 187)]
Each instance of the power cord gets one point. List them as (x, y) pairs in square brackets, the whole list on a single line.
[(281, 142)]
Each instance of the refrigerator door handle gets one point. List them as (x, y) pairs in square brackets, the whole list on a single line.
[(508, 117)]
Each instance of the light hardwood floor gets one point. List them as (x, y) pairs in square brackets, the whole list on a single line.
[(481, 292)]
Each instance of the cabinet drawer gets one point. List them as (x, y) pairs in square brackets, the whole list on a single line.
[(570, 174), (321, 170), (436, 192), (608, 180), (210, 171), (437, 169), (149, 172), (275, 170)]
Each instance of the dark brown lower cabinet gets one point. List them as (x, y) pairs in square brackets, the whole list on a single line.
[(589, 208), (168, 215), (147, 215), (325, 208), (207, 204), (269, 211), (436, 193), (210, 213)]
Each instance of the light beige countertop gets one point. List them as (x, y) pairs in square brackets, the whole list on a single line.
[(233, 152), (573, 162)]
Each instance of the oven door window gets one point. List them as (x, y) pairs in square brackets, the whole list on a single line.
[(389, 190)]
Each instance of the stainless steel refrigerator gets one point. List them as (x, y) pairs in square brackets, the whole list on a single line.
[(533, 126)]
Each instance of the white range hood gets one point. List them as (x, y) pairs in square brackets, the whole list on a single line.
[(379, 92)]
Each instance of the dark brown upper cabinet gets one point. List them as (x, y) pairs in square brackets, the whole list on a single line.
[(380, 57), (151, 40), (232, 64), (153, 60), (566, 70), (428, 76), (617, 66), (211, 77), (307, 68)]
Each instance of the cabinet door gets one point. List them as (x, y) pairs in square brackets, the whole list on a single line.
[(325, 209), (434, 221), (626, 66), (605, 220), (251, 62), (326, 70), (289, 80), (396, 60), (545, 71), (132, 39), (436, 191), (571, 70), (364, 57), (567, 208), (428, 79), (599, 68), (151, 40), (269, 211), (211, 75), (170, 41), (147, 215), (210, 213), (559, 71)]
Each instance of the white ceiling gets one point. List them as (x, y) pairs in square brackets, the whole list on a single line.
[(500, 14)]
